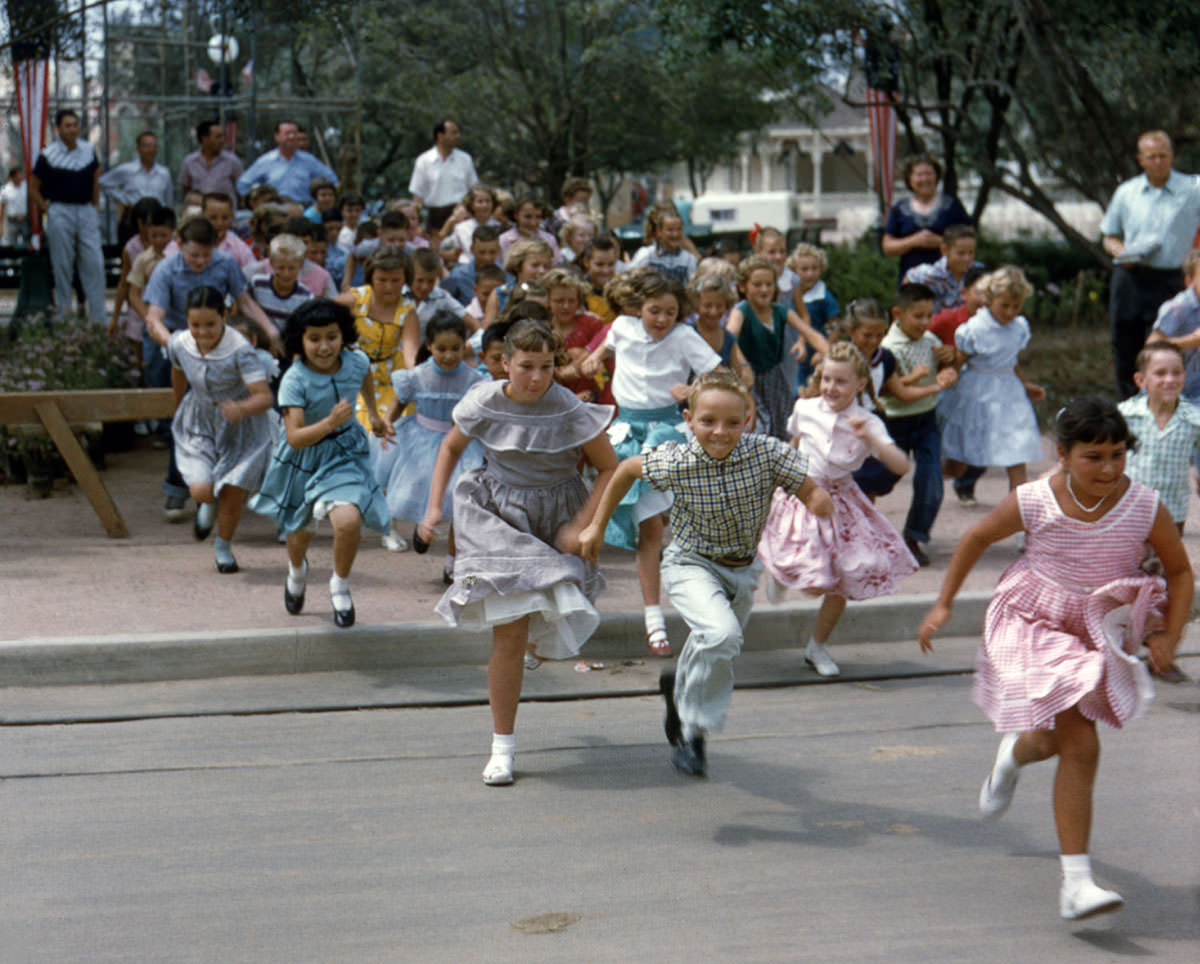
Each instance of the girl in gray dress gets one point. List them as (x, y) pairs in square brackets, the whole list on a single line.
[(517, 521), (224, 427)]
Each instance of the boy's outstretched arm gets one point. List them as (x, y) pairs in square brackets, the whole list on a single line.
[(592, 537)]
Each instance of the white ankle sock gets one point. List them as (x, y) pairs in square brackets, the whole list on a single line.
[(296, 577), (224, 550), (504, 743), (339, 592), (1076, 868), (499, 769), (654, 618)]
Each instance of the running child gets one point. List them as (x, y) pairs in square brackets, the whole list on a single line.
[(759, 324), (517, 520), (712, 298), (224, 427), (321, 467), (654, 359), (1065, 621), (987, 418), (666, 254), (857, 554), (812, 297), (434, 387), (866, 323), (722, 481)]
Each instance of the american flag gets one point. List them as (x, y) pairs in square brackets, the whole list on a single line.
[(883, 85), (33, 103)]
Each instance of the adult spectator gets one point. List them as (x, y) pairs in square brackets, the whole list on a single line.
[(1148, 229), (913, 232), (66, 186), (287, 168), (14, 208), (144, 177), (442, 175), (211, 169)]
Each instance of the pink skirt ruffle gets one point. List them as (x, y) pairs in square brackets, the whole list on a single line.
[(856, 553), (1048, 647)]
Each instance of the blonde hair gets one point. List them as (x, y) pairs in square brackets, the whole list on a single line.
[(1008, 280), (521, 251), (622, 293), (719, 267), (719, 379), (287, 247), (572, 225), (566, 278), (747, 267), (703, 284), (808, 251), (845, 353), (766, 234)]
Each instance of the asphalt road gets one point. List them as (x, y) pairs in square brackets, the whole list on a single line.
[(838, 824)]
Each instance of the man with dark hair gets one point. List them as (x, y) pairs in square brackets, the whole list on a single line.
[(287, 168), (130, 182), (211, 169), (67, 176), (442, 175)]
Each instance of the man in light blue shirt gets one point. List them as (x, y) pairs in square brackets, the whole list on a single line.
[(128, 183), (287, 168), (1148, 230)]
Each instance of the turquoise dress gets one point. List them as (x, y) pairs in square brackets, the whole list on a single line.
[(303, 484)]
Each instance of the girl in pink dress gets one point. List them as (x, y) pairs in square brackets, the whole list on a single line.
[(1066, 620), (856, 553)]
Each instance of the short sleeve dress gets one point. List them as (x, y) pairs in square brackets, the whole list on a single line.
[(508, 511), (302, 485), (857, 553), (987, 419), (1068, 615), (208, 448), (762, 344), (409, 458), (381, 341)]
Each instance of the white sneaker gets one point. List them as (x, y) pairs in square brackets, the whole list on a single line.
[(393, 543), (817, 656), (499, 770), (1084, 898), (997, 791)]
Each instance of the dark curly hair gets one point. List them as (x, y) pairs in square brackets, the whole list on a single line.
[(317, 313)]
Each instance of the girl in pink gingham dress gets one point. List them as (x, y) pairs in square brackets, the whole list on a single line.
[(1066, 621)]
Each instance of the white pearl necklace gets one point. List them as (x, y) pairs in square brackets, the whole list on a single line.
[(1075, 499)]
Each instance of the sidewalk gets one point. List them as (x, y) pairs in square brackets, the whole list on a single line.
[(96, 608)]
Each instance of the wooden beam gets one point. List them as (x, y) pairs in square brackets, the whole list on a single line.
[(82, 468), (101, 405)]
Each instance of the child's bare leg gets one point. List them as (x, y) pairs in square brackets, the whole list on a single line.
[(831, 610), (229, 510), (297, 546), (506, 668), (1016, 476), (1078, 760), (347, 532), (952, 468)]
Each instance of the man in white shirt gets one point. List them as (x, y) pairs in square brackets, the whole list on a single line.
[(442, 175), (130, 182), (14, 208)]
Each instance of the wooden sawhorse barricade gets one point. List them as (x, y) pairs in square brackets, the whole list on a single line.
[(55, 411)]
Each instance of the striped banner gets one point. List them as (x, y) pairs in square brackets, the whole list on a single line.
[(33, 103), (881, 120)]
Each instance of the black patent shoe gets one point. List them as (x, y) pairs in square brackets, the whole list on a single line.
[(420, 546), (344, 618), (227, 567), (688, 757), (671, 724)]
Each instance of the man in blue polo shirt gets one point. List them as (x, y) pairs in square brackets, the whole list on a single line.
[(195, 264), (1148, 230), (287, 168)]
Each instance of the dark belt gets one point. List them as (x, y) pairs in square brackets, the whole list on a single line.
[(732, 562)]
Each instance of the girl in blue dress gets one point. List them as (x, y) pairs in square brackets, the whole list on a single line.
[(988, 418), (435, 386), (322, 465)]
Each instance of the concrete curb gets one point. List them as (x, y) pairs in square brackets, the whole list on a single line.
[(280, 652)]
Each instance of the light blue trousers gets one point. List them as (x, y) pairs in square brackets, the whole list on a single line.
[(73, 237), (714, 601)]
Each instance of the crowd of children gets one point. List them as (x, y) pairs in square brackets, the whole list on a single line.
[(736, 415)]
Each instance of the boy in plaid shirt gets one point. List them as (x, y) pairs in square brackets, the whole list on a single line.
[(723, 482)]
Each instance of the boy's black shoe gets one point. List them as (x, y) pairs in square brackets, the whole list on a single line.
[(917, 552), (671, 724), (688, 757)]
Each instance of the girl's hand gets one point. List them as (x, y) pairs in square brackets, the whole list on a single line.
[(590, 541), (1162, 652), (921, 371), (934, 620), (1034, 392), (381, 428), (819, 503), (859, 425), (679, 392), (566, 540), (590, 366), (426, 527), (232, 411), (946, 378), (944, 354), (342, 412)]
